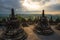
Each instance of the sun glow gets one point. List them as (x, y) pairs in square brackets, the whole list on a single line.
[(31, 5)]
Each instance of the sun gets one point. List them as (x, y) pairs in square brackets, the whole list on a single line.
[(29, 5)]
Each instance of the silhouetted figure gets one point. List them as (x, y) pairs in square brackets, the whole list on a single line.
[(24, 23), (51, 21), (58, 26), (13, 30), (30, 21), (36, 20), (43, 27), (57, 21), (2, 22)]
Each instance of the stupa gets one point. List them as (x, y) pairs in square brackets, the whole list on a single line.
[(43, 26), (13, 30)]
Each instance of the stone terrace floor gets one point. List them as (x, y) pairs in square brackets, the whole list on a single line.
[(34, 36)]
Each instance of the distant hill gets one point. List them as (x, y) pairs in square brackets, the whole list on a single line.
[(31, 15)]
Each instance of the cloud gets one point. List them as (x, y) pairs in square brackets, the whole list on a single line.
[(6, 5), (44, 1), (55, 7), (49, 5)]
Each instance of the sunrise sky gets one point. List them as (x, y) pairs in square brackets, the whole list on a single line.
[(30, 6)]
